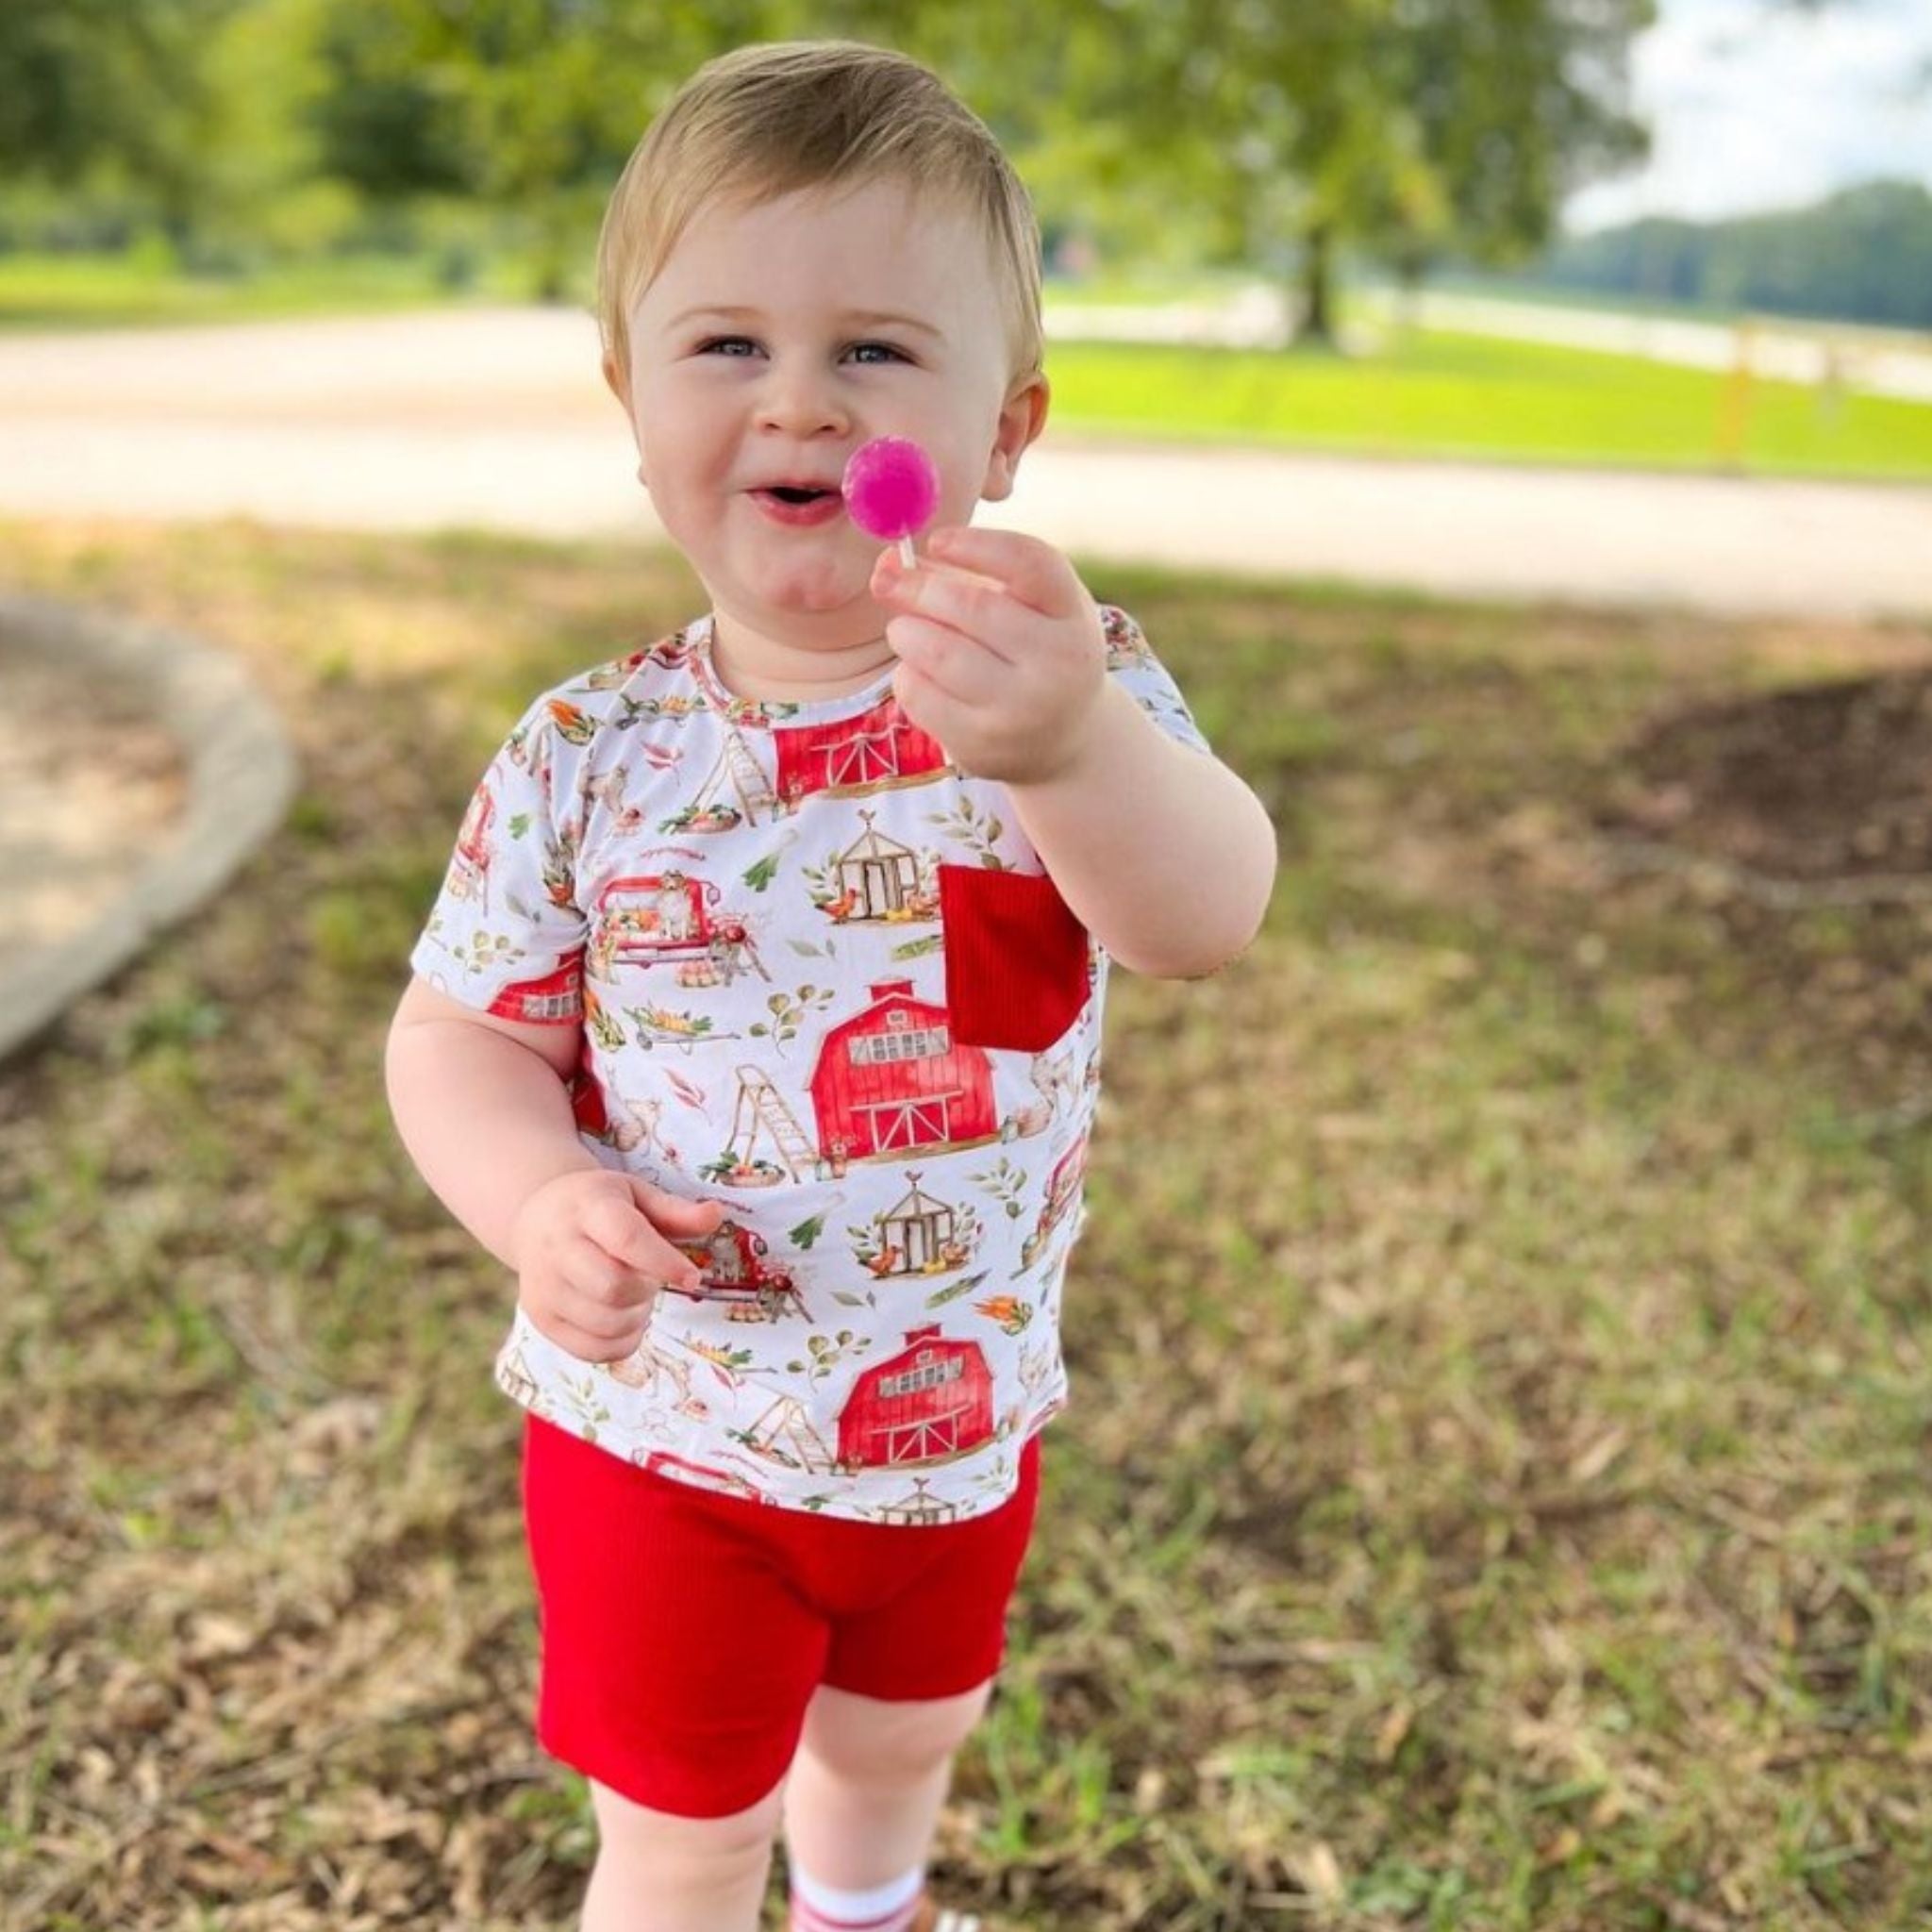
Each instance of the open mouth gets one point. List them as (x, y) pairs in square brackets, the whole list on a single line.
[(803, 505)]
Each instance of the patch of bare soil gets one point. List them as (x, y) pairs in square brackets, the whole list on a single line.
[(1823, 782), (91, 788), (1802, 820)]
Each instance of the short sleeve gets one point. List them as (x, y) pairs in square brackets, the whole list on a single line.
[(1131, 662), (506, 934)]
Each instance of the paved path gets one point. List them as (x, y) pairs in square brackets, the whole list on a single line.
[(497, 418), (1885, 362)]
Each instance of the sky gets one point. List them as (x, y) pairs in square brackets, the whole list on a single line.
[(1758, 104)]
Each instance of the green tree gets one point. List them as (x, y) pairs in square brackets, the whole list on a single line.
[(265, 183), (1285, 133), (93, 85), (530, 107), (1514, 105)]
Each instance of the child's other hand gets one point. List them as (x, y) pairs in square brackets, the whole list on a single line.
[(1001, 654), (592, 1253)]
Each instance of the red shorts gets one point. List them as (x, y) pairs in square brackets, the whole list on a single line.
[(683, 1631)]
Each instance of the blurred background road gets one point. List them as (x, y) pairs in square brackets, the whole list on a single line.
[(497, 419)]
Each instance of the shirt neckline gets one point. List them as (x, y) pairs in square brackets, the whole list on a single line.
[(728, 704)]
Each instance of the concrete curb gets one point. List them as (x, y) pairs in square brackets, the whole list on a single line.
[(243, 773)]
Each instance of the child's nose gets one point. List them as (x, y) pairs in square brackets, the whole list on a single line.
[(802, 402)]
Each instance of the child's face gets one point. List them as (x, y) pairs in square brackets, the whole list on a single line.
[(762, 354)]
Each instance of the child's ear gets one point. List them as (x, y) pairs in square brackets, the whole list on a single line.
[(619, 388), (1023, 416)]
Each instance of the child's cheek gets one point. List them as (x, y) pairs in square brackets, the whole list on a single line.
[(961, 472)]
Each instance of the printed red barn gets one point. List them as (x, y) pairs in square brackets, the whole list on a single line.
[(893, 1078), (930, 1403), (875, 748)]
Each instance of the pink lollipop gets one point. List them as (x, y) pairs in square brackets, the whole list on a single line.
[(891, 489)]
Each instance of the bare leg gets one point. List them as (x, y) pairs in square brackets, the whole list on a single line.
[(656, 1872), (865, 1790)]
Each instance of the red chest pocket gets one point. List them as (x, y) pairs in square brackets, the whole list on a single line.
[(1016, 958)]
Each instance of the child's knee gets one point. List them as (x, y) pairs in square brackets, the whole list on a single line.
[(674, 1849), (871, 1740)]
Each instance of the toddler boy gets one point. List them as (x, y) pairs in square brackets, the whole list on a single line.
[(756, 1026)]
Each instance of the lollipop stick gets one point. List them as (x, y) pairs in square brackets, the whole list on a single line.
[(906, 554)]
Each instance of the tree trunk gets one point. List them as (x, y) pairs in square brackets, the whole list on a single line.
[(1318, 317), (1411, 267), (550, 250)]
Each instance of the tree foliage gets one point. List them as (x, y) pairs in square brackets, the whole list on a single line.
[(1242, 130), (529, 106), (87, 84), (1396, 127)]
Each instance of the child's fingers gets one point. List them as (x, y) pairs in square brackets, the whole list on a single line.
[(588, 1343), (634, 1245), (1027, 569), (674, 1212), (597, 1277), (982, 618), (946, 658), (889, 572), (609, 1311)]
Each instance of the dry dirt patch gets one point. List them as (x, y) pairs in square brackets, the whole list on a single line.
[(90, 788)]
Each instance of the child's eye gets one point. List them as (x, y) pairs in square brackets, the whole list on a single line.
[(737, 347)]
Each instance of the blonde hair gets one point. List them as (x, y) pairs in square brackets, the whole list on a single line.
[(770, 120)]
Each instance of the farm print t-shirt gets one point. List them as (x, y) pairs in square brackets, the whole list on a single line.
[(822, 977)]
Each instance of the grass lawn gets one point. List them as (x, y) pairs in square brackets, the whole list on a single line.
[(1494, 1494), (82, 291), (1440, 394), (1424, 395)]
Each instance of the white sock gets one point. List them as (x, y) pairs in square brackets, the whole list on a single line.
[(889, 1907)]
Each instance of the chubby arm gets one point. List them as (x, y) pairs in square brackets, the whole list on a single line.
[(1164, 853), (482, 1105)]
